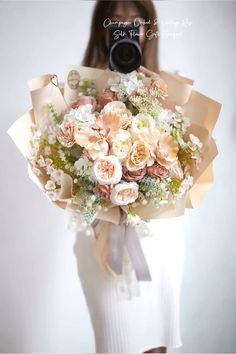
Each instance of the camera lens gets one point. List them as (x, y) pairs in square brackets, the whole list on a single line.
[(125, 56), (124, 53)]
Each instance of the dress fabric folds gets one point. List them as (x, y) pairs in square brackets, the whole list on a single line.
[(149, 320)]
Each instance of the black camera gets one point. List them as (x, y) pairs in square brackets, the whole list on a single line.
[(125, 53)]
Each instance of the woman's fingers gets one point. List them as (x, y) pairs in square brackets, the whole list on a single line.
[(147, 71)]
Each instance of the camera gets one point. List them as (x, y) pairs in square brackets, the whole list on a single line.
[(125, 53)]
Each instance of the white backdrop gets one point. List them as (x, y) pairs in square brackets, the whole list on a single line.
[(42, 306)]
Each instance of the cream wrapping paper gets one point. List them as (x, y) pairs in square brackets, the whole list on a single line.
[(201, 110)]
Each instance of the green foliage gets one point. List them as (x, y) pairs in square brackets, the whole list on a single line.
[(88, 88), (57, 119), (174, 185), (184, 156)]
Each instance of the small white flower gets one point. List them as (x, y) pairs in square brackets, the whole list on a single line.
[(50, 169), (125, 84), (51, 133), (48, 162), (165, 116), (61, 154), (36, 171), (51, 139), (195, 140), (53, 195), (41, 161), (32, 154), (50, 185), (186, 122), (47, 150), (56, 176), (83, 166), (133, 220), (179, 109)]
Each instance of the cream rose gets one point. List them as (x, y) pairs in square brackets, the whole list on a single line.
[(113, 106), (138, 156), (124, 193), (107, 170), (121, 144), (141, 122)]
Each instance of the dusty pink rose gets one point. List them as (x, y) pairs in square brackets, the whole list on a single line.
[(65, 134), (107, 96), (103, 190), (82, 100), (157, 170), (133, 176)]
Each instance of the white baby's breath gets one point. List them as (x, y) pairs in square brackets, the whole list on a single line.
[(83, 167)]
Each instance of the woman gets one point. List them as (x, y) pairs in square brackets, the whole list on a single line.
[(150, 322)]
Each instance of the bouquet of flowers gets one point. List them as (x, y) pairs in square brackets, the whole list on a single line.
[(117, 150)]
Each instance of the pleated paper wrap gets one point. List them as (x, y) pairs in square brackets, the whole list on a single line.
[(200, 109)]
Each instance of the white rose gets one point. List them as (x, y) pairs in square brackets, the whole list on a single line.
[(142, 121), (107, 170), (124, 193), (125, 84), (82, 115)]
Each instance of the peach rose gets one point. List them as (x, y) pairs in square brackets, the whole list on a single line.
[(120, 109), (109, 122), (107, 170), (82, 100), (103, 190), (138, 156), (107, 96), (124, 193), (65, 134), (157, 171), (167, 149), (133, 176), (96, 146)]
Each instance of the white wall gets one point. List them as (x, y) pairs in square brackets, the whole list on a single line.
[(42, 306)]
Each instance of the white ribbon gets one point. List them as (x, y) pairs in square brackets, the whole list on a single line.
[(121, 236)]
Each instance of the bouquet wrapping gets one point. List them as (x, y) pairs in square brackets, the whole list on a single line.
[(117, 150)]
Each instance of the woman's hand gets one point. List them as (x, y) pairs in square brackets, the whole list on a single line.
[(148, 72), (157, 81)]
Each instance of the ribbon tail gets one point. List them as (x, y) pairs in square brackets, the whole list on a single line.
[(136, 254), (116, 247)]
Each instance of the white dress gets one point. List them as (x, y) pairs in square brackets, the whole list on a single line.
[(149, 320)]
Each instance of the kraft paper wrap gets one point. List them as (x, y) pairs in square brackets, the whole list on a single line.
[(200, 109)]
